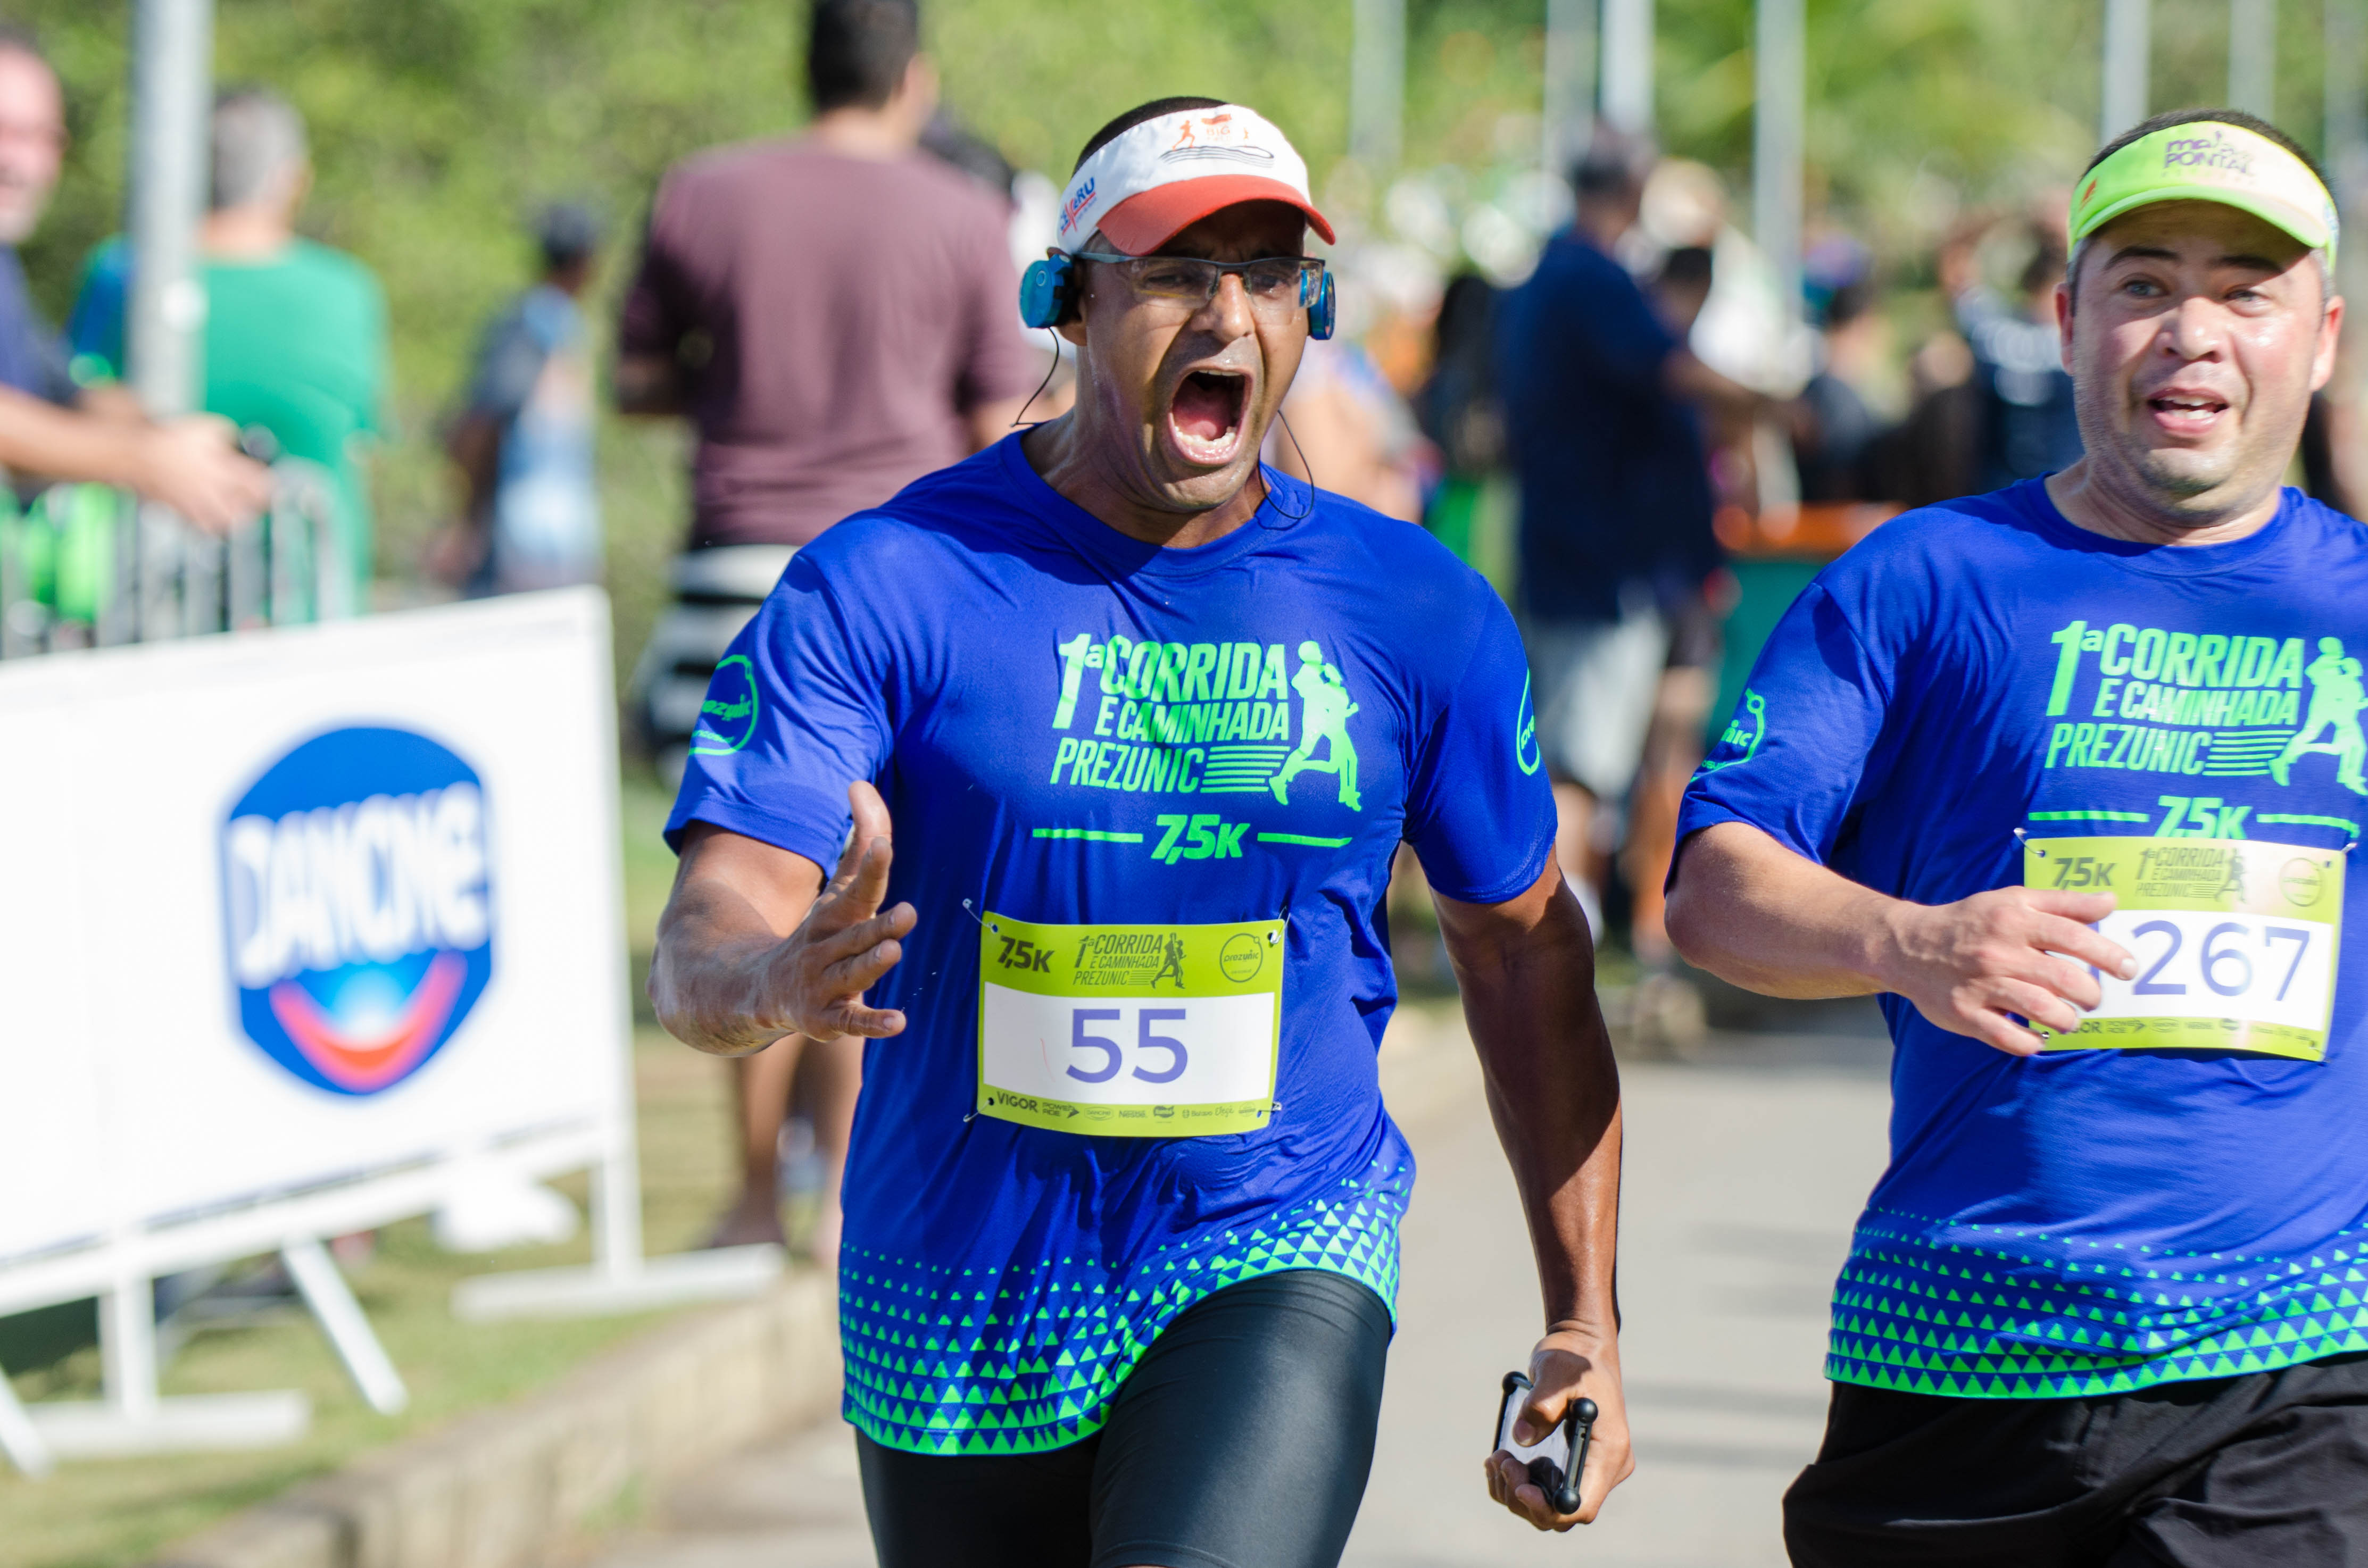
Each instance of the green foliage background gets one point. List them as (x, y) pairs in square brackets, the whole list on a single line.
[(437, 124)]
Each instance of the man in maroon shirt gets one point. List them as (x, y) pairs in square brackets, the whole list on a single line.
[(836, 314), (835, 311)]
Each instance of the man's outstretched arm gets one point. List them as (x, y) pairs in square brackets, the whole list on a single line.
[(1527, 969), (754, 945), (1755, 914)]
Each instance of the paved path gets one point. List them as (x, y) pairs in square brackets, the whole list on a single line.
[(1744, 1169)]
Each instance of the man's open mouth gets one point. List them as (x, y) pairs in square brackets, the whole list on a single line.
[(2186, 413), (1206, 414)]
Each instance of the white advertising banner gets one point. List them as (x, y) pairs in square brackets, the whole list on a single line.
[(294, 908)]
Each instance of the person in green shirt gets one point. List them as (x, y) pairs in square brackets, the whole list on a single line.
[(295, 333)]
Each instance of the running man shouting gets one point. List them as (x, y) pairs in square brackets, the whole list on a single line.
[(1121, 1205), (2020, 763)]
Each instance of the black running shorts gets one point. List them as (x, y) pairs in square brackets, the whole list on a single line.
[(2266, 1470), (1242, 1439)]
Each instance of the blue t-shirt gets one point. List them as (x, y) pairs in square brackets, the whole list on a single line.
[(533, 379), (32, 358), (1069, 727), (2079, 1222), (1615, 492)]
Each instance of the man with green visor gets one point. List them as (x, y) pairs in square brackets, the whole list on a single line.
[(2069, 774)]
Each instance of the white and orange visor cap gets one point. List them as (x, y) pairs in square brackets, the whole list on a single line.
[(1151, 182)]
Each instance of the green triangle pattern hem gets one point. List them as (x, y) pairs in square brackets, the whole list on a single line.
[(1996, 1322), (947, 1361)]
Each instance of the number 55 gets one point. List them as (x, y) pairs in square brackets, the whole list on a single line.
[(1080, 1041), (1146, 1040)]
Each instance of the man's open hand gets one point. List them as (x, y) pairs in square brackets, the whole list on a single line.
[(815, 980), (2021, 950)]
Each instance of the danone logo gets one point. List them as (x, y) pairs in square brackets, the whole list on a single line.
[(357, 899)]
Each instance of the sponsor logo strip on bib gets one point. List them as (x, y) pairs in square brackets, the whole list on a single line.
[(2235, 938), (1128, 1031)]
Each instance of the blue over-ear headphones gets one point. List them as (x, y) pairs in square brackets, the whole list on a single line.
[(1044, 297), (1044, 291), (1325, 313)]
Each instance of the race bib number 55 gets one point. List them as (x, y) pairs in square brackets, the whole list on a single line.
[(1128, 1031), (2236, 941)]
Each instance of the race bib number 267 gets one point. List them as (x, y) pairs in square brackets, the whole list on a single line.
[(2236, 941)]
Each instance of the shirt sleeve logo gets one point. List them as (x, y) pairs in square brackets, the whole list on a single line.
[(1747, 729), (1525, 732), (727, 719)]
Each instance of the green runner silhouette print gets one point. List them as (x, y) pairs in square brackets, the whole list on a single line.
[(1324, 711), (2336, 699)]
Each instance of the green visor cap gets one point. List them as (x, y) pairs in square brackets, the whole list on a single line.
[(2207, 161)]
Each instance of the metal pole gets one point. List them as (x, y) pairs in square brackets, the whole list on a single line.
[(1570, 81), (2253, 56), (349, 1329), (1781, 71), (19, 1438), (172, 77), (2345, 86), (1377, 84), (1627, 62), (127, 1348), (2128, 55)]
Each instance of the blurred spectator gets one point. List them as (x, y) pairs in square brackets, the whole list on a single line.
[(1931, 455), (1835, 428), (1683, 286), (837, 314), (946, 140), (51, 427), (1345, 428), (1662, 1010), (1033, 222), (1599, 398), (1346, 424), (531, 513), (2330, 453), (2028, 425), (295, 333), (1457, 409)]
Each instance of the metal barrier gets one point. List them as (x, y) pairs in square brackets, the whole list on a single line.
[(81, 565)]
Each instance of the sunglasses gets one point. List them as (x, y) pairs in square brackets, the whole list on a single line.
[(1277, 285)]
